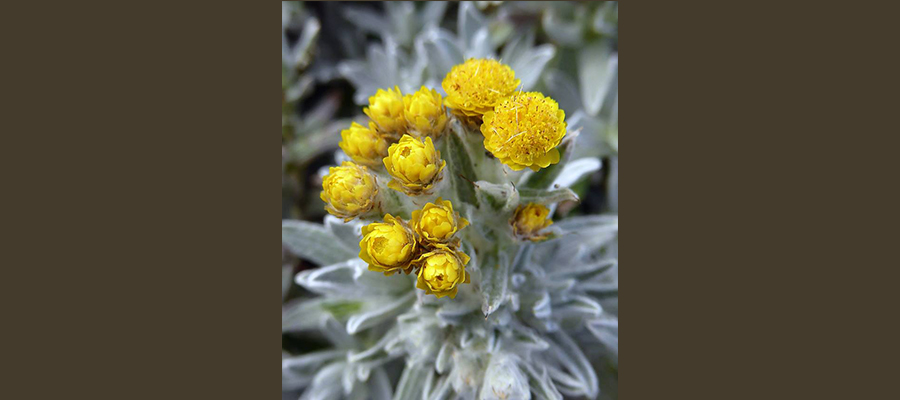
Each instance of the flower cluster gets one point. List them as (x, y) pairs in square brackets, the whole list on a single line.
[(520, 129), (425, 244)]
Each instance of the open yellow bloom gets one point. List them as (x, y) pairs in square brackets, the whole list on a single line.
[(386, 110), (363, 144), (529, 220), (348, 190), (415, 165), (436, 222), (476, 86), (441, 271), (388, 246), (425, 113), (524, 130)]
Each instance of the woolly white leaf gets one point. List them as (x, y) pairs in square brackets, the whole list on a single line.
[(575, 170), (597, 66), (314, 242), (348, 232), (412, 382), (494, 276), (529, 65), (327, 383), (540, 383), (380, 314), (572, 358), (286, 273), (504, 380), (303, 314), (442, 389), (469, 23), (540, 196)]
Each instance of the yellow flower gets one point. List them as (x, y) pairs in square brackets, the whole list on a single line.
[(425, 113), (348, 190), (441, 271), (524, 130), (388, 246), (363, 145), (436, 222), (529, 220), (476, 86), (386, 109), (415, 165)]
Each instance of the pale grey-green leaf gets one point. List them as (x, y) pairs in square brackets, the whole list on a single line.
[(314, 242)]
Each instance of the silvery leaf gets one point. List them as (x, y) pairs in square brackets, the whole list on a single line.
[(540, 196), (569, 33), (379, 385), (366, 20), (314, 242), (540, 383), (575, 170), (402, 19), (504, 380), (578, 269), (433, 12), (303, 314), (480, 46), (379, 314), (578, 306), (442, 389), (287, 272), (606, 330), (441, 50), (299, 370), (562, 88), (463, 173), (444, 357), (327, 383), (494, 277), (412, 382), (469, 22), (336, 279), (501, 197), (529, 66), (375, 354), (597, 66), (349, 233), (572, 358)]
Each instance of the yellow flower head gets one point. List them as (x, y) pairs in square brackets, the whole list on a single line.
[(476, 86), (524, 130), (436, 222), (529, 220), (415, 165), (441, 271), (348, 190), (363, 145), (386, 109), (425, 113), (388, 246)]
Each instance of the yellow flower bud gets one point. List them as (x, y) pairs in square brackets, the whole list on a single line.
[(524, 130), (425, 113), (348, 190), (441, 271), (436, 222), (476, 86), (386, 109), (415, 165), (388, 246), (529, 220), (363, 145)]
